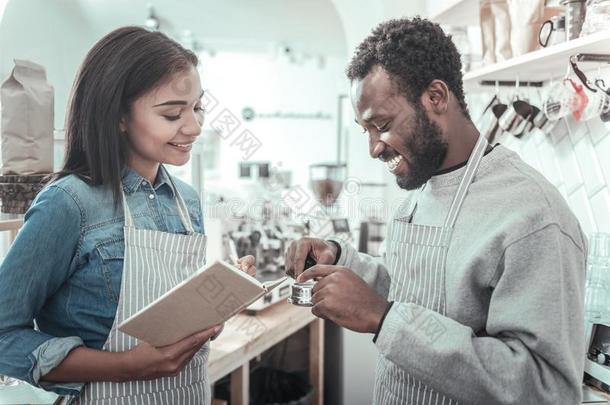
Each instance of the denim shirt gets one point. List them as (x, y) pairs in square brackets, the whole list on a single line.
[(64, 269)]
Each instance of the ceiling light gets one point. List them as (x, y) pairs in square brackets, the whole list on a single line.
[(152, 22)]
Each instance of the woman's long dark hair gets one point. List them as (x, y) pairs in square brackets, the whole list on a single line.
[(122, 66)]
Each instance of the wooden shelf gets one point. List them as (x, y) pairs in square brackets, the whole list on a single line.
[(540, 65), (458, 12), (10, 222)]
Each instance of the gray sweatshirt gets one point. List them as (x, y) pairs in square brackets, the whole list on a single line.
[(514, 329)]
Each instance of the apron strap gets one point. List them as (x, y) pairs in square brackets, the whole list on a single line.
[(414, 202), (126, 210), (471, 168), (182, 210)]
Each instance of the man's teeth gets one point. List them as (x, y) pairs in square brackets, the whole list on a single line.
[(393, 163)]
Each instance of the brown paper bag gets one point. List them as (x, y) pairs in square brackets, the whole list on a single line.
[(502, 29), (27, 120), (488, 35), (526, 16)]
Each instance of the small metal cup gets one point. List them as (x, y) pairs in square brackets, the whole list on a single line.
[(539, 120), (515, 119), (489, 126), (301, 294)]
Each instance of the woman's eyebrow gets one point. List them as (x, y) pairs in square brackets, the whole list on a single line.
[(176, 102)]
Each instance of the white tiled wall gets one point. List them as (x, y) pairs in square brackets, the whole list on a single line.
[(575, 157)]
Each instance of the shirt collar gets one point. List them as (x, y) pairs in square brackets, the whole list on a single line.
[(132, 181)]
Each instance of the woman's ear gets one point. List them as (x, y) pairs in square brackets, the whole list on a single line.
[(123, 126)]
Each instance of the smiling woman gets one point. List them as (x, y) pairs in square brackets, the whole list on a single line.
[(136, 104), (163, 124), (147, 69)]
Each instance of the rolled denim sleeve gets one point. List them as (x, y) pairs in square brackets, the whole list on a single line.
[(42, 257)]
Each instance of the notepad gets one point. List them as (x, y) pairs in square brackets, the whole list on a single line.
[(209, 297)]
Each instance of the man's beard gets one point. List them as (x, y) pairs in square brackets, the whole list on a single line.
[(427, 151)]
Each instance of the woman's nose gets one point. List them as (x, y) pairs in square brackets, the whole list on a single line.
[(193, 125)]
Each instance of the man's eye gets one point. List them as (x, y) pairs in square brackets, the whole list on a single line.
[(385, 128), (200, 109), (172, 117)]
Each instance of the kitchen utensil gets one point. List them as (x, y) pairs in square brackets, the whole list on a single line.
[(597, 294), (597, 17), (489, 126), (598, 104), (552, 31), (301, 292), (575, 17), (539, 120), (327, 181), (515, 119), (565, 98)]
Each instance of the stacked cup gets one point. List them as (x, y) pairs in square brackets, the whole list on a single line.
[(597, 293)]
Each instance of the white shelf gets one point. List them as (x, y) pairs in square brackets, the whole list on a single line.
[(541, 65), (603, 323), (598, 371), (458, 12)]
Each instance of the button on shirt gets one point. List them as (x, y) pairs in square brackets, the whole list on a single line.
[(64, 269)]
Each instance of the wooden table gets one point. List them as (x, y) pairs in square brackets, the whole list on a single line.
[(247, 336)]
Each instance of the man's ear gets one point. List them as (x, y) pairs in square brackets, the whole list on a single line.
[(436, 97)]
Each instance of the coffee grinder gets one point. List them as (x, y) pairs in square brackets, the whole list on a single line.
[(326, 181)]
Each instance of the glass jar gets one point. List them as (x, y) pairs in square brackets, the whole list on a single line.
[(597, 293), (597, 17), (459, 36)]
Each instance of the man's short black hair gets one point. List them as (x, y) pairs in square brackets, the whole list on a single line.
[(414, 52)]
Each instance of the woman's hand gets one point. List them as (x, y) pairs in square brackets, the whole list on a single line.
[(146, 362), (246, 264)]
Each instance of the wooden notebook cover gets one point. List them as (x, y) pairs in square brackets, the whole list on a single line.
[(207, 298)]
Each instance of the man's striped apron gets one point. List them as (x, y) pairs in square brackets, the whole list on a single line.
[(416, 260)]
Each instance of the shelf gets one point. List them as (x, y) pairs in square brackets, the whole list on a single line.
[(602, 322), (458, 12), (597, 371), (10, 222), (540, 65)]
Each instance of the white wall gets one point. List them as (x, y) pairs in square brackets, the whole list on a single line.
[(359, 17), (54, 36), (58, 33), (575, 158), (269, 85)]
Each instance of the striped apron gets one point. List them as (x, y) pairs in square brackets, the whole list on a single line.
[(154, 262), (416, 262)]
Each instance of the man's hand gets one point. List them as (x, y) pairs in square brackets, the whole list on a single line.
[(322, 251), (246, 264), (343, 297)]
